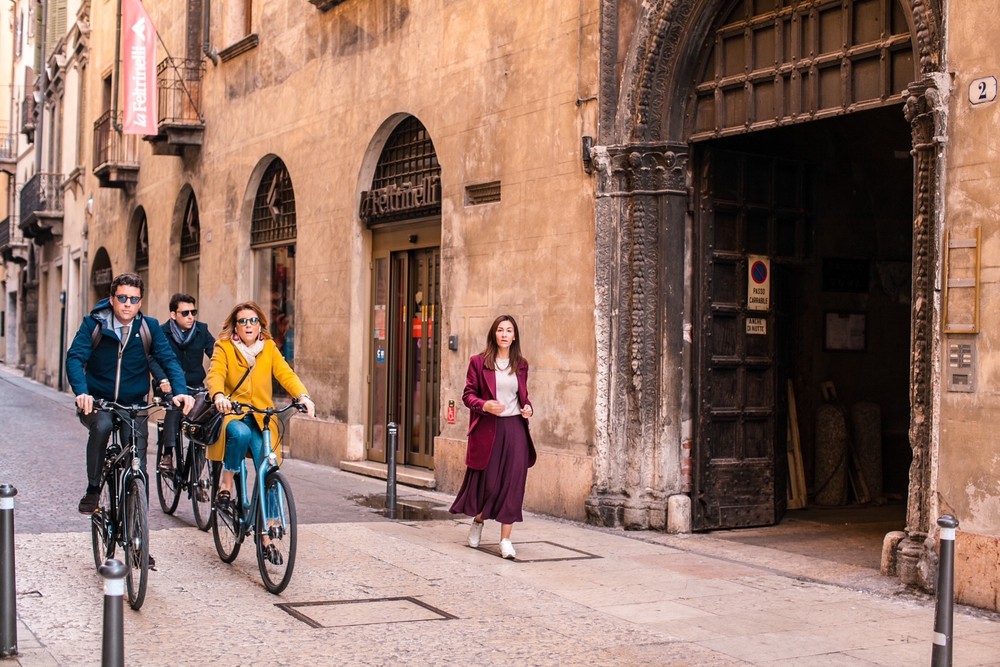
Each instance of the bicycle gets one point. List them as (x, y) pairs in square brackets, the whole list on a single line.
[(192, 473), (270, 514), (122, 515)]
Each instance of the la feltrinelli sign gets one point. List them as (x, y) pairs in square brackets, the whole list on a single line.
[(397, 201)]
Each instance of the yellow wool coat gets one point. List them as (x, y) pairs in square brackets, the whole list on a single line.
[(228, 366)]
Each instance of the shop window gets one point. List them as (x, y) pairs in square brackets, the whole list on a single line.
[(190, 247), (142, 248)]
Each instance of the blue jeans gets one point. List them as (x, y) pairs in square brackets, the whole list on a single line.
[(242, 435)]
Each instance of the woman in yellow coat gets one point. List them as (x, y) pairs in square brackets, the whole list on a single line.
[(245, 343)]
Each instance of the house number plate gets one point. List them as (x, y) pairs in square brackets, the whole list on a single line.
[(983, 90)]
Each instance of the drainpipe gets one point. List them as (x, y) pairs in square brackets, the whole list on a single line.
[(117, 68), (43, 83), (206, 35)]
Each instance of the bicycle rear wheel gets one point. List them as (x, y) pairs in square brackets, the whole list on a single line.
[(136, 521), (276, 560), (102, 542), (168, 486), (226, 527), (201, 485)]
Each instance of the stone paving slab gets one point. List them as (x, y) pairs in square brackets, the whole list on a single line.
[(638, 603)]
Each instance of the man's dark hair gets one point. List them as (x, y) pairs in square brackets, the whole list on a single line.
[(179, 299), (130, 279)]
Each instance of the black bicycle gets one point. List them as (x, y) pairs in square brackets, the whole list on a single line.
[(191, 473), (267, 516), (122, 514)]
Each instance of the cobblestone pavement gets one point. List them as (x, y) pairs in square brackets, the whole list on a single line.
[(368, 590)]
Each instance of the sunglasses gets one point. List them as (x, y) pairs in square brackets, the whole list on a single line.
[(187, 313), (243, 321), (127, 299)]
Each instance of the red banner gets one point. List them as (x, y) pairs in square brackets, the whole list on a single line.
[(139, 75)]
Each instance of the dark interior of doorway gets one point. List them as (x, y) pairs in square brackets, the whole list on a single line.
[(858, 273)]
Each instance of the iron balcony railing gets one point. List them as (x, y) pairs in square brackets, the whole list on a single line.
[(8, 144), (111, 146), (179, 91), (41, 204), (5, 233)]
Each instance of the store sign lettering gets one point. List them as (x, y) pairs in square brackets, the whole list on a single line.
[(394, 199)]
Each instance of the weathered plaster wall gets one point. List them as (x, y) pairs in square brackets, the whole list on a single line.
[(497, 91), (969, 466)]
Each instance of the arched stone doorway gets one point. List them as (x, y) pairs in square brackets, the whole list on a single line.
[(650, 273)]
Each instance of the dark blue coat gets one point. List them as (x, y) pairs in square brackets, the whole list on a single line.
[(189, 356), (95, 370)]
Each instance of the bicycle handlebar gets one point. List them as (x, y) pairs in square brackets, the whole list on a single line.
[(105, 405), (241, 408)]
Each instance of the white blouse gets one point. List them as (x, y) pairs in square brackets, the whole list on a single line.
[(507, 391)]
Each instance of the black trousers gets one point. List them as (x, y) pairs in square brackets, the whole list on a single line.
[(100, 425)]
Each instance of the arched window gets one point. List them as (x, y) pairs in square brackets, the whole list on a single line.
[(407, 180), (272, 236), (142, 247), (190, 247)]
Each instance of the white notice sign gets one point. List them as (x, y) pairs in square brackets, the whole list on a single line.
[(758, 283), (756, 326)]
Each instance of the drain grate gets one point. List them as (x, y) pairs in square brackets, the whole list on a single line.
[(542, 551), (345, 613)]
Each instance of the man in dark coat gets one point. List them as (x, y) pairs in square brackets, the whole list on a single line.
[(190, 339), (109, 359)]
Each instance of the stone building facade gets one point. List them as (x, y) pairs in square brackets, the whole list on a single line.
[(720, 224)]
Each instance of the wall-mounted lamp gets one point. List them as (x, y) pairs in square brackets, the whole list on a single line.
[(588, 143), (90, 205)]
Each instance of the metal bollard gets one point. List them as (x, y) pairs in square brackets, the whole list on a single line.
[(8, 590), (390, 475), (113, 647), (941, 652)]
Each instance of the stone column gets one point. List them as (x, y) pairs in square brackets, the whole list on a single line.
[(641, 218), (923, 113)]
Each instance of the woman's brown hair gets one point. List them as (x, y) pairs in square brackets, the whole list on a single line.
[(229, 325), (490, 353)]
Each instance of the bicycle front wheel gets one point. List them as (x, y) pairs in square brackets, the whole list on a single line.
[(226, 528), (136, 520), (102, 541), (168, 485), (278, 528), (201, 486)]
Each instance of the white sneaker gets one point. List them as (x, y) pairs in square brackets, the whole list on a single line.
[(475, 533), (507, 550)]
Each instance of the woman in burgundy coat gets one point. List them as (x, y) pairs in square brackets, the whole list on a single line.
[(500, 450)]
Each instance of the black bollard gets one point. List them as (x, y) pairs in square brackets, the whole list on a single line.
[(113, 647), (8, 590), (943, 614), (390, 475)]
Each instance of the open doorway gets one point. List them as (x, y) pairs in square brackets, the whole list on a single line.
[(827, 207)]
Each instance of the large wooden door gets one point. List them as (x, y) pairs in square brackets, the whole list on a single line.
[(753, 218)]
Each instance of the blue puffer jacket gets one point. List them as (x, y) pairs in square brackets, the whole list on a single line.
[(97, 370)]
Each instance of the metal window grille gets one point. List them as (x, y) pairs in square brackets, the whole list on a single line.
[(408, 156), (273, 208), (190, 230), (482, 193)]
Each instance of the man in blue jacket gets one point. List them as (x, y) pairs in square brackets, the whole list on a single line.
[(109, 359), (190, 340)]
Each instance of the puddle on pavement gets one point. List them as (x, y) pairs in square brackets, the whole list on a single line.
[(407, 509)]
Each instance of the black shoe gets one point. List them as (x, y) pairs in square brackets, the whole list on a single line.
[(222, 501), (152, 562), (89, 503), (272, 554)]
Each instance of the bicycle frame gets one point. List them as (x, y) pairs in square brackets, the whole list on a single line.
[(126, 471), (257, 503)]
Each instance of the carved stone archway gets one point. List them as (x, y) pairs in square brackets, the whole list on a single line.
[(644, 275)]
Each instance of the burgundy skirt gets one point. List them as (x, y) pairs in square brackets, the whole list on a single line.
[(498, 491)]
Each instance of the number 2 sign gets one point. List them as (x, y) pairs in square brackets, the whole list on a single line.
[(983, 90)]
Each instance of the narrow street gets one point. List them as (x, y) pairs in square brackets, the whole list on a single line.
[(368, 590)]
